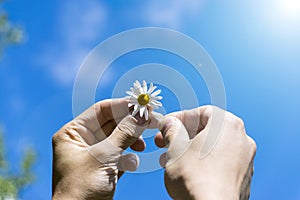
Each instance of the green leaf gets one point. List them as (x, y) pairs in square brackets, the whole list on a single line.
[(9, 33), (7, 188), (3, 164), (28, 160), (11, 184)]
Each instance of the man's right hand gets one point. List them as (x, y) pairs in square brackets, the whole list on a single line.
[(224, 171)]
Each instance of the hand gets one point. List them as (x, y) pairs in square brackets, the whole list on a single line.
[(209, 156), (87, 160)]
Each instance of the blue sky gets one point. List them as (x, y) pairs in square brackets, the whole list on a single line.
[(255, 45)]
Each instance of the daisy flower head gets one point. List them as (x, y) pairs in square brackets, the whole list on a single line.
[(142, 98)]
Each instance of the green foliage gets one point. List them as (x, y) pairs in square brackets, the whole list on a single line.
[(11, 184), (9, 34), (2, 160)]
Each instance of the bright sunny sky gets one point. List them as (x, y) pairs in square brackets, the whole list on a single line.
[(254, 44)]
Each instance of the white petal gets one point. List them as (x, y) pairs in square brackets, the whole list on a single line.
[(151, 89), (157, 98), (138, 88), (156, 103), (130, 93), (133, 100), (136, 106), (137, 84), (144, 87), (142, 109), (130, 104), (136, 109), (153, 106), (133, 93), (157, 92), (146, 114), (136, 93)]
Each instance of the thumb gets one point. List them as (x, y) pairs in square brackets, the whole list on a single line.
[(173, 131), (127, 132), (175, 135), (128, 162)]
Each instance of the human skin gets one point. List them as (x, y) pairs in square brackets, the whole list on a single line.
[(224, 172), (87, 160)]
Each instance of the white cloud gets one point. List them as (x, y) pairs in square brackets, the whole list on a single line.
[(171, 13), (79, 25)]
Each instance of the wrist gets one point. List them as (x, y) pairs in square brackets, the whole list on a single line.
[(65, 191), (213, 191)]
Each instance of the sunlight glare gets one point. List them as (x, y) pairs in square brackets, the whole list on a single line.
[(290, 8)]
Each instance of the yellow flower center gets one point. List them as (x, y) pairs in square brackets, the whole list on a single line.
[(143, 99)]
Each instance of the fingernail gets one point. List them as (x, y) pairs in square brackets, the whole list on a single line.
[(132, 164), (162, 160)]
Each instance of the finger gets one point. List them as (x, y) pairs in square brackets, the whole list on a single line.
[(102, 112), (126, 132), (111, 109), (190, 119), (195, 120), (159, 140), (100, 119), (163, 159), (212, 119), (128, 162), (173, 131), (155, 119), (176, 136), (107, 128), (139, 145)]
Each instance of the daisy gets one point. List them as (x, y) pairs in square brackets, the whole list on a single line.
[(142, 98)]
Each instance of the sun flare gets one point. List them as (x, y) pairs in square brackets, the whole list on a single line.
[(290, 8)]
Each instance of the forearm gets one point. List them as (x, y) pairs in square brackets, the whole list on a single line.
[(212, 189)]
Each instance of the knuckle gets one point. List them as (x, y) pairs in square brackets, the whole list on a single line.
[(128, 131), (56, 138), (234, 121), (125, 134), (125, 129), (207, 109), (61, 134), (252, 144)]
